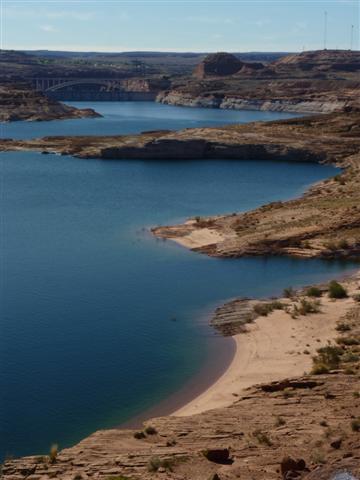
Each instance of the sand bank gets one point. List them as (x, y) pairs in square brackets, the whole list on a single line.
[(275, 347)]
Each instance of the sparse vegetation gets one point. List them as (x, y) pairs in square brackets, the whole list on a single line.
[(118, 477), (289, 292), (355, 425), (262, 438), (150, 430), (306, 307), (279, 421), (313, 292), (264, 309), (318, 457), (343, 327), (336, 290), (348, 341), (155, 463), (328, 358), (350, 357), (54, 449)]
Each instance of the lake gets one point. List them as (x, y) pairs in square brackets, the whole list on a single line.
[(101, 321)]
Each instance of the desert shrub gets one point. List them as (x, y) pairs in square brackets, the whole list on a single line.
[(289, 292), (306, 306), (318, 457), (357, 297), (331, 246), (349, 357), (53, 453), (343, 244), (343, 327), (154, 464), (349, 371), (355, 425), (150, 430), (319, 368), (263, 309), (356, 394), (279, 421), (328, 358), (336, 290), (139, 435), (348, 341), (313, 292), (118, 477), (262, 438)]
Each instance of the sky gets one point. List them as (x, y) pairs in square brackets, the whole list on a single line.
[(172, 25)]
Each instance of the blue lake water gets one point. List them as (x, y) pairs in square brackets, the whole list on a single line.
[(89, 299), (134, 117)]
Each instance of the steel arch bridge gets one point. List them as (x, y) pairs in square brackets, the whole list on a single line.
[(54, 84)]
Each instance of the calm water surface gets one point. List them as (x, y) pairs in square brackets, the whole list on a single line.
[(89, 298), (134, 117)]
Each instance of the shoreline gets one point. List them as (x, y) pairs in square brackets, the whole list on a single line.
[(224, 351), (273, 348)]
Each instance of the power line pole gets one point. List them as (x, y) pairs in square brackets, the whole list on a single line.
[(351, 37), (325, 29)]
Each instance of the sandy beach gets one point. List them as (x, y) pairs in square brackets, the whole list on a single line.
[(274, 347)]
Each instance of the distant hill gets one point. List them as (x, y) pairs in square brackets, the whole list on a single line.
[(320, 61)]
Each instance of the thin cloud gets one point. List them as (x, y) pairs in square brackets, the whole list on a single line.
[(261, 22), (210, 20), (48, 28)]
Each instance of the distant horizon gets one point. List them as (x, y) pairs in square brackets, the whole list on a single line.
[(179, 51)]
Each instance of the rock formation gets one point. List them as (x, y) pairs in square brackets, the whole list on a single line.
[(218, 65), (20, 102)]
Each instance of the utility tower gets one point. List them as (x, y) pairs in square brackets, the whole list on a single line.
[(325, 29)]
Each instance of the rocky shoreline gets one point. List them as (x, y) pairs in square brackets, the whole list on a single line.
[(295, 105)]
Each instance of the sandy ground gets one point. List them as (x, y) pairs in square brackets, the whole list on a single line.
[(199, 238), (273, 349)]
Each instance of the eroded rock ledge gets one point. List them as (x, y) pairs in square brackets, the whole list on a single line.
[(19, 102)]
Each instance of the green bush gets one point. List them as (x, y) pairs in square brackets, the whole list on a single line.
[(314, 292), (305, 307), (336, 290), (263, 309), (328, 358)]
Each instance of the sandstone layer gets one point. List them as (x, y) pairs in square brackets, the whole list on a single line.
[(20, 102)]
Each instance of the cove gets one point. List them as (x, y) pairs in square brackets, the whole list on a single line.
[(100, 321)]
